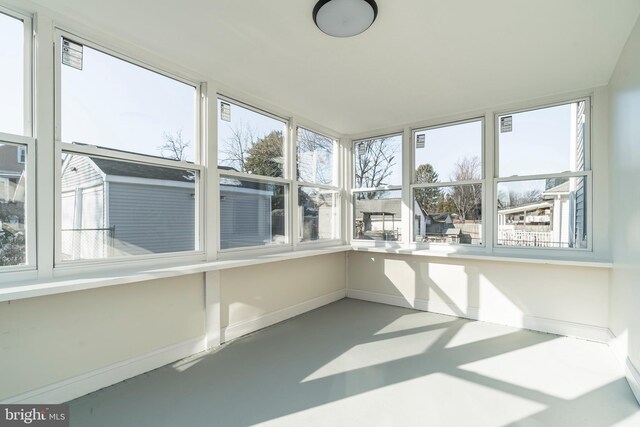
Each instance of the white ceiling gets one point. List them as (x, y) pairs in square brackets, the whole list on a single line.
[(421, 58)]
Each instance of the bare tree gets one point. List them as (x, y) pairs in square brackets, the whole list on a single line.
[(174, 147), (467, 198), (234, 150), (375, 160), (315, 152)]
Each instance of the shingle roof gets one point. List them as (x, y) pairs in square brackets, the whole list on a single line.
[(138, 170)]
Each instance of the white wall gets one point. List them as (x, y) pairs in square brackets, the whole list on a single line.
[(49, 339), (624, 97), (57, 347), (249, 295), (552, 298)]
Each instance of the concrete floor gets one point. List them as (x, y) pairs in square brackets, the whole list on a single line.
[(355, 363)]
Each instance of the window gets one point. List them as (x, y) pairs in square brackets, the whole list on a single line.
[(14, 76), (249, 141), (377, 193), (543, 176), (254, 191), (318, 194), (447, 183), (17, 227), (129, 175)]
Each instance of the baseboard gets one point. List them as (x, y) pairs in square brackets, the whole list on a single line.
[(633, 378), (559, 327), (239, 329), (80, 385)]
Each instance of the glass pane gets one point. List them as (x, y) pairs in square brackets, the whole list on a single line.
[(378, 162), (318, 210), (252, 213), (544, 141), (550, 213), (449, 153), (12, 75), (249, 142), (315, 157), (114, 208), (12, 204), (450, 214), (114, 104), (378, 215)]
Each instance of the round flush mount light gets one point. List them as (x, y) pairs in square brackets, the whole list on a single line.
[(344, 18)]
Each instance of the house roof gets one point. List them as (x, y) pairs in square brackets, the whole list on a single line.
[(379, 206), (526, 208), (138, 170), (560, 188)]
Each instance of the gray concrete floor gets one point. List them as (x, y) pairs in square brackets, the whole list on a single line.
[(355, 363)]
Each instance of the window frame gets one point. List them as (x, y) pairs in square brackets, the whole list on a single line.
[(586, 174), (353, 190), (27, 140), (198, 254), (336, 171), (413, 185)]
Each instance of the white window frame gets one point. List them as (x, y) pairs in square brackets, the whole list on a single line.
[(27, 141), (196, 255), (336, 232), (287, 180), (587, 174), (482, 181), (353, 191)]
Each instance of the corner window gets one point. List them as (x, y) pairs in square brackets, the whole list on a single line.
[(447, 184), (129, 174), (14, 75), (377, 193), (542, 196)]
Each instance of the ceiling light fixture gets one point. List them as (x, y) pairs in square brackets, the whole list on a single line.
[(344, 18)]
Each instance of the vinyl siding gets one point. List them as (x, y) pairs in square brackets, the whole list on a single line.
[(151, 218)]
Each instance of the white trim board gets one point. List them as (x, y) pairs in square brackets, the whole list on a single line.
[(559, 327), (248, 326), (80, 385)]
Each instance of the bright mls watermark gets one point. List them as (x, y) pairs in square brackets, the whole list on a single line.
[(34, 415)]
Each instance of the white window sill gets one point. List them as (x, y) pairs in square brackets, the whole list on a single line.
[(35, 288), (483, 257)]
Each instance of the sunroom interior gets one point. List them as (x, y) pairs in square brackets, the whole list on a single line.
[(440, 212)]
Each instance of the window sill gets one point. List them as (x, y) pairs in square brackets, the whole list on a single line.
[(37, 288), (482, 257)]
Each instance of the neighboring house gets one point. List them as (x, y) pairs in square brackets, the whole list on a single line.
[(12, 169), (117, 208), (550, 222), (426, 224), (247, 217)]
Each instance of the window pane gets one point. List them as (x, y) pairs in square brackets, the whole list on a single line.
[(252, 213), (12, 75), (544, 141), (378, 162), (450, 214), (315, 157), (543, 213), (250, 142), (318, 213), (378, 215), (12, 205), (114, 208), (114, 104), (449, 153)]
